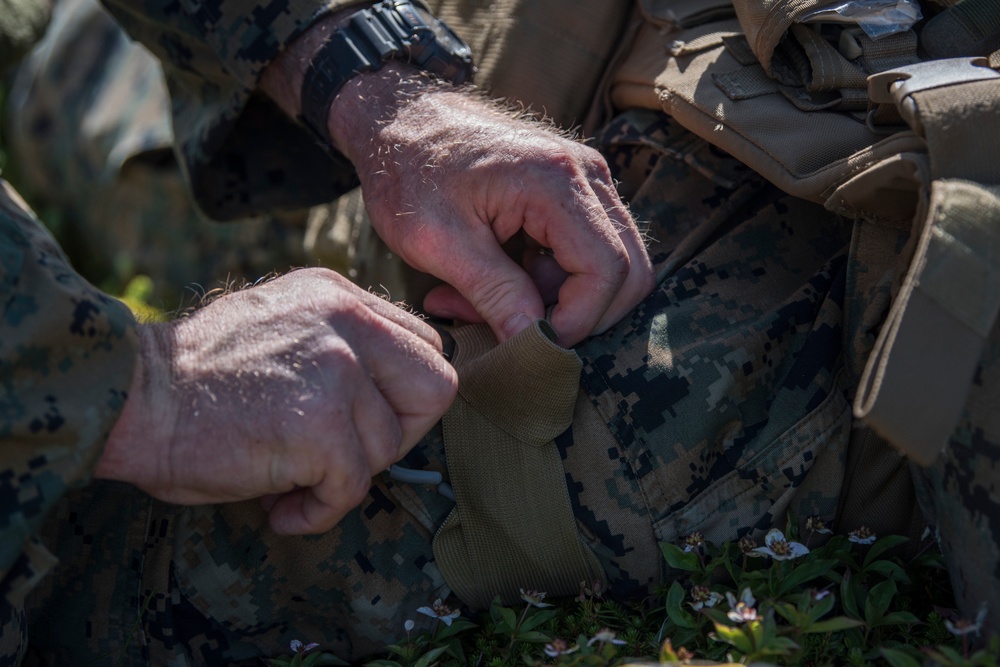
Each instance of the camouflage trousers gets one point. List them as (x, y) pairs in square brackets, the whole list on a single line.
[(719, 404)]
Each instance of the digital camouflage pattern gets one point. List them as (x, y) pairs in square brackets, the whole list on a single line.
[(89, 125), (719, 404), (67, 353), (220, 588), (241, 154)]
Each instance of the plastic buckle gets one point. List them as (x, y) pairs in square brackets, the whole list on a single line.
[(897, 85)]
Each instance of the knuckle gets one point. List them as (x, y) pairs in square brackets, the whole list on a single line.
[(355, 489), (490, 294), (562, 160), (616, 269)]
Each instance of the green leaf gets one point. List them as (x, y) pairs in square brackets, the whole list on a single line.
[(679, 560), (898, 658), (780, 646), (382, 663), (899, 618), (508, 620), (458, 625), (454, 649), (534, 637), (675, 610), (880, 546), (848, 597), (791, 526), (734, 637), (889, 570), (878, 601), (803, 573), (822, 608), (539, 617), (427, 658), (787, 611), (715, 615), (835, 624)]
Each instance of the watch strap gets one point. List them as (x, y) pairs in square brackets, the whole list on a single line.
[(371, 37), (337, 61)]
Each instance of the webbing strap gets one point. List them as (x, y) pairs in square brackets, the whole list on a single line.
[(513, 525), (917, 378)]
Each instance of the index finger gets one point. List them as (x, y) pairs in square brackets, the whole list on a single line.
[(586, 244)]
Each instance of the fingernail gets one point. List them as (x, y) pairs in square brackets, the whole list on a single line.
[(515, 324)]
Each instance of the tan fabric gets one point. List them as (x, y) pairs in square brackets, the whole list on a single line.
[(513, 526), (715, 94), (554, 58), (916, 381)]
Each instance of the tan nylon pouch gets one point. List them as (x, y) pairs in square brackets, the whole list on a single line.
[(513, 525), (708, 77)]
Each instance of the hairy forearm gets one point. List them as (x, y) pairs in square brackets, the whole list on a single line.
[(365, 103)]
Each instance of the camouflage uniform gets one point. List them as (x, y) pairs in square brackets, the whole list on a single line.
[(68, 352), (89, 124), (690, 425), (720, 403)]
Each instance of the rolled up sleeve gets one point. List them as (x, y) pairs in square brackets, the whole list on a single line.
[(67, 353), (242, 155)]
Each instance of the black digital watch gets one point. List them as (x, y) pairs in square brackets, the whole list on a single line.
[(388, 30)]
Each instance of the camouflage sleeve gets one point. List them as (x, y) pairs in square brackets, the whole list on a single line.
[(242, 155), (66, 357)]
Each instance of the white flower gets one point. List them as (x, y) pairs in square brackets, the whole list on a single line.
[(963, 627), (862, 535), (693, 541), (440, 611), (746, 597), (779, 548), (748, 547), (297, 646), (408, 625), (742, 610), (534, 598), (817, 525), (558, 647), (701, 596), (606, 636)]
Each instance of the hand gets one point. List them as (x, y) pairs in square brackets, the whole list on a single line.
[(306, 386), (448, 179)]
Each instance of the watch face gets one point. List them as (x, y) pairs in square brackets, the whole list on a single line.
[(436, 46), (441, 32)]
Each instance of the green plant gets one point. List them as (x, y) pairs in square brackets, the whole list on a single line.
[(852, 600)]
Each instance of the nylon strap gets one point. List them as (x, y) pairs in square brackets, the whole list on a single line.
[(513, 525), (917, 378)]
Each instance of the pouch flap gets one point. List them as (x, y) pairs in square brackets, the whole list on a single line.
[(765, 22), (685, 13)]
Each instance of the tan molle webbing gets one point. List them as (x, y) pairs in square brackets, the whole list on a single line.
[(513, 525), (917, 378), (706, 78)]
